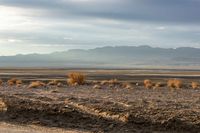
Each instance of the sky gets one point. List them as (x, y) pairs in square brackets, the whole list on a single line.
[(44, 26)]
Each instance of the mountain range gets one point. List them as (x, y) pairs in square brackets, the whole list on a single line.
[(108, 57)]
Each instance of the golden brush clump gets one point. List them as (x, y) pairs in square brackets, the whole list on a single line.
[(55, 83), (15, 81), (110, 82), (36, 84), (76, 78), (195, 85), (148, 84), (12, 81), (127, 85), (175, 83)]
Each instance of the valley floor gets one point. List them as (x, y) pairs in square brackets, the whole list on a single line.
[(110, 109)]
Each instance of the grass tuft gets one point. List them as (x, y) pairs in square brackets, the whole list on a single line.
[(127, 85), (36, 84), (75, 79), (175, 83), (148, 84), (195, 85)]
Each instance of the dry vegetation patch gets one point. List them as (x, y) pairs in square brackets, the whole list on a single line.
[(175, 83), (109, 82), (148, 84), (195, 85), (14, 81), (127, 85), (76, 78), (36, 84)]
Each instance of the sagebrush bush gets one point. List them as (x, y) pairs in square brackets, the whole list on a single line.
[(175, 83), (195, 85), (36, 84), (76, 78), (113, 81), (109, 82), (12, 81), (158, 85), (19, 82), (148, 84), (127, 85), (53, 82)]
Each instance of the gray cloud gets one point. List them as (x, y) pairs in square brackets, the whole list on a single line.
[(66, 24), (140, 10)]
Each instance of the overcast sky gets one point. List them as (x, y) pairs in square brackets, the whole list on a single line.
[(43, 26)]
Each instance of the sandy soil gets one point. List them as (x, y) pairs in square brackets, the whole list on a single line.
[(11, 128)]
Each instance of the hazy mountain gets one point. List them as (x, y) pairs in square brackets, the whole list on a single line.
[(121, 56)]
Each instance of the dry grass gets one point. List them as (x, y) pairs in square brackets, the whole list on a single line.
[(148, 84), (127, 85), (158, 85), (75, 79), (113, 81), (109, 82), (53, 82), (195, 85), (12, 81), (175, 83), (19, 82), (96, 87), (36, 84)]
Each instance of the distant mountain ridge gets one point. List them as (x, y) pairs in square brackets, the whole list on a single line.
[(119, 56)]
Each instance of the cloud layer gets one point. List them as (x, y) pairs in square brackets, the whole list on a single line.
[(55, 25)]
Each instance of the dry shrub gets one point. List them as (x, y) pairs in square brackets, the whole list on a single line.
[(75, 79), (96, 87), (12, 81), (195, 85), (170, 83), (148, 84), (111, 82), (36, 84), (19, 82), (1, 82), (158, 85), (127, 85), (53, 82), (175, 83)]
